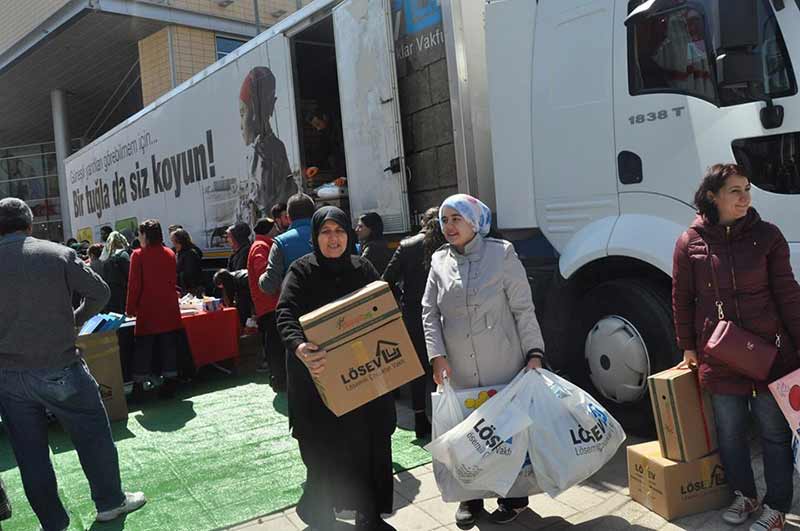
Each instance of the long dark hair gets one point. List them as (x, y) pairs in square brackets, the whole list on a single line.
[(151, 229), (713, 181), (183, 238), (434, 238)]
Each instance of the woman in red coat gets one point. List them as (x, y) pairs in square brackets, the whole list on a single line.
[(153, 300), (759, 292)]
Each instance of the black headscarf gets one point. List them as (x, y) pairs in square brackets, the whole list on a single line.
[(322, 215), (374, 223)]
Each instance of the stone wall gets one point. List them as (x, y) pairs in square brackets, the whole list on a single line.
[(424, 103)]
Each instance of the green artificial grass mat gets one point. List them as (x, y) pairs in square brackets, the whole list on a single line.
[(218, 454)]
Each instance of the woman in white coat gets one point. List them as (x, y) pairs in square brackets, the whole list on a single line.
[(480, 324)]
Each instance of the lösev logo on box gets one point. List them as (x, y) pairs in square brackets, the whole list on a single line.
[(715, 479), (386, 353)]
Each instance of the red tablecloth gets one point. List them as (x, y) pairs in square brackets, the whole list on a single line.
[(213, 336)]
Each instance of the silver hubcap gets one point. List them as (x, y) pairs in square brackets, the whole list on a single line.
[(618, 360)]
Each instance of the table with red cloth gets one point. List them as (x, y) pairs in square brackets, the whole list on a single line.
[(212, 336), (207, 338)]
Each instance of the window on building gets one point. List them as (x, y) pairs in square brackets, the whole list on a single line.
[(226, 45), (674, 50), (30, 173)]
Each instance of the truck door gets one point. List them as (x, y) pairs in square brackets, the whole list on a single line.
[(675, 115), (285, 117), (373, 139)]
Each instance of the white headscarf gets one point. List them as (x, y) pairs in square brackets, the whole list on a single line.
[(115, 243), (471, 209)]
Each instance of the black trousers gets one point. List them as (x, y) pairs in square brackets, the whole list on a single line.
[(274, 352), (155, 354), (421, 387)]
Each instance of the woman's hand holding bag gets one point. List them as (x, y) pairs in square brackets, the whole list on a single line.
[(441, 370)]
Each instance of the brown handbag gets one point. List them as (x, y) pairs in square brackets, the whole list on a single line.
[(741, 350)]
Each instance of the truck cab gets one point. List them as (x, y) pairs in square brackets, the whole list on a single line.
[(604, 118)]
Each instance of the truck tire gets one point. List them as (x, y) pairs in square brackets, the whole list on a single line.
[(623, 333)]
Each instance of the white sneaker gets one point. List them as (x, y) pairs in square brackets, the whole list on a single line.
[(133, 501), (770, 520), (741, 509)]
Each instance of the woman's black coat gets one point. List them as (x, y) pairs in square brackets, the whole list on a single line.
[(308, 286), (190, 269), (115, 273)]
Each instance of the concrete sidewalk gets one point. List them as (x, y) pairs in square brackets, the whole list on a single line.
[(602, 503)]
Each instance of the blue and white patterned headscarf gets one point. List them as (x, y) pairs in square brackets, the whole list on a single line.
[(472, 210)]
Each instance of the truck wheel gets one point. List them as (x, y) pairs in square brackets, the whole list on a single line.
[(624, 332)]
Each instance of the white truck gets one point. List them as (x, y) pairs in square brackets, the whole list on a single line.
[(605, 115), (585, 124)]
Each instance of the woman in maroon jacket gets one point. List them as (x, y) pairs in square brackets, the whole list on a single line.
[(153, 300), (758, 290)]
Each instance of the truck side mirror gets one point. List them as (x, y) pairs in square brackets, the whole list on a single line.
[(738, 25)]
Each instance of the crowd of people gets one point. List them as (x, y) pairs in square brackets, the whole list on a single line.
[(467, 305)]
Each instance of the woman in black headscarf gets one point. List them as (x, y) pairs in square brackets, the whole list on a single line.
[(348, 458)]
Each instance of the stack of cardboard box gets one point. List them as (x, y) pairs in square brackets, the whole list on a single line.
[(681, 473)]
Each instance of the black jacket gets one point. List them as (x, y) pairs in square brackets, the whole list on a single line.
[(406, 273), (115, 273), (308, 286), (378, 253), (190, 269), (238, 260)]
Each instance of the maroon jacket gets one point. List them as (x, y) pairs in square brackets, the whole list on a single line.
[(753, 256)]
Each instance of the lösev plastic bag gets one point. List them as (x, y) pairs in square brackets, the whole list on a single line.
[(487, 450), (572, 435), (450, 407)]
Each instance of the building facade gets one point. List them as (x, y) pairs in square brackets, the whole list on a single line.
[(70, 70)]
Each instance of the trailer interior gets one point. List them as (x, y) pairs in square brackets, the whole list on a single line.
[(319, 113)]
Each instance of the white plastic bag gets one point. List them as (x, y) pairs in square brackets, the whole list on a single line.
[(486, 451), (572, 435)]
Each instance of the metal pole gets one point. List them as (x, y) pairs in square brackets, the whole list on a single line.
[(58, 100), (258, 19)]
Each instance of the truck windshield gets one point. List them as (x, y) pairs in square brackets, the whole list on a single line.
[(675, 51)]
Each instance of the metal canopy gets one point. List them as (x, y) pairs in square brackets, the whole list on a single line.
[(88, 59)]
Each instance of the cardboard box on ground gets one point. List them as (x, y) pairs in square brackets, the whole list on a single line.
[(101, 353), (369, 350), (674, 489), (680, 473), (683, 414)]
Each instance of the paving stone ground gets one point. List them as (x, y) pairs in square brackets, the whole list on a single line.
[(600, 504)]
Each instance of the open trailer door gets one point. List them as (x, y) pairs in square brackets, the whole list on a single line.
[(373, 139)]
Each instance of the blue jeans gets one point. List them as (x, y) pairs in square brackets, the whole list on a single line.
[(732, 415), (72, 395)]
